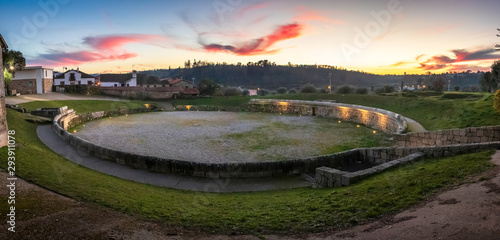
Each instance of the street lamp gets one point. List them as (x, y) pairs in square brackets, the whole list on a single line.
[(330, 86)]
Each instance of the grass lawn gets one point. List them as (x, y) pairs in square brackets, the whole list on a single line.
[(84, 106), (297, 210), (434, 113)]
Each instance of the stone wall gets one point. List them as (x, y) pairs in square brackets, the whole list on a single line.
[(49, 112), (449, 137), (379, 119), (23, 86), (384, 158), (140, 92), (47, 85)]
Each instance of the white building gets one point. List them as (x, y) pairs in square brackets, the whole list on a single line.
[(31, 80), (74, 77), (119, 80)]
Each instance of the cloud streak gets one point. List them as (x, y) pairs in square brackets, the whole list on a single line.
[(102, 49), (260, 45), (456, 59)]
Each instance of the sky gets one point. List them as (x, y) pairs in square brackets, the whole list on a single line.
[(377, 36)]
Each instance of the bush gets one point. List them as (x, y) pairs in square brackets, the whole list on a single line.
[(323, 90), (361, 91), (385, 89), (232, 92), (94, 90), (345, 89), (460, 95), (282, 90), (245, 92), (293, 90), (263, 92), (309, 88), (496, 101), (79, 89)]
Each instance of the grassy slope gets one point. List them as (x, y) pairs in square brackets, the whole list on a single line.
[(83, 106), (432, 112), (277, 211)]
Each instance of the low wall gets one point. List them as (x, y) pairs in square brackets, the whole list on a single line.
[(384, 158), (375, 118), (49, 112), (142, 92), (449, 137)]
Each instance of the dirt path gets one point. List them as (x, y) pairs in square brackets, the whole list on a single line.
[(470, 211)]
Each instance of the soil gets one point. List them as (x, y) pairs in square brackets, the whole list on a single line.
[(469, 211)]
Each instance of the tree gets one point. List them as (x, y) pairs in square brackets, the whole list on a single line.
[(498, 45), (345, 89), (232, 92), (496, 101), (12, 61), (437, 85), (207, 87), (488, 82), (495, 71)]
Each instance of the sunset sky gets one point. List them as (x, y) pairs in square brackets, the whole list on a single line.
[(378, 36)]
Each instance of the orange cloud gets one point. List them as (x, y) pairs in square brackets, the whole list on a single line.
[(312, 15), (259, 45)]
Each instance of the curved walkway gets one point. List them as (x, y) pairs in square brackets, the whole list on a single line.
[(58, 145)]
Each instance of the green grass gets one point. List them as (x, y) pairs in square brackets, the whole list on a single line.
[(84, 106), (433, 113), (289, 211)]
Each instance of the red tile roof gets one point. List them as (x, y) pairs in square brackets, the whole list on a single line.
[(191, 91)]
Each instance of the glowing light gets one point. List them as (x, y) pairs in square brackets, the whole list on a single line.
[(74, 131), (188, 107), (374, 132), (340, 121), (424, 86), (357, 126), (147, 105)]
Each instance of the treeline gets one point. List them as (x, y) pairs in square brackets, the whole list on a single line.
[(266, 74)]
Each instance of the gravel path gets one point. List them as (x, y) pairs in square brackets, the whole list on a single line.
[(218, 137)]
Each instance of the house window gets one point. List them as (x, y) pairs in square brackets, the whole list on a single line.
[(61, 83), (128, 85), (116, 85), (89, 82), (79, 82), (30, 84), (45, 73), (72, 77)]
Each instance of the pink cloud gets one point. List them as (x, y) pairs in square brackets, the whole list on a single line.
[(251, 8), (103, 49), (306, 15)]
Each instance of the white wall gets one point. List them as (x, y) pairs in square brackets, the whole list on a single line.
[(78, 77)]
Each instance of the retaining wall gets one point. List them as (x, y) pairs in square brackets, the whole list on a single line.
[(375, 118), (449, 137)]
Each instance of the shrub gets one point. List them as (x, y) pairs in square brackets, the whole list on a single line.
[(263, 92), (309, 88), (323, 90), (293, 90), (245, 92), (94, 90), (345, 89), (361, 91), (385, 89), (496, 101), (232, 92), (79, 89), (282, 90)]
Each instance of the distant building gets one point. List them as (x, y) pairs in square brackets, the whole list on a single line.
[(32, 80), (252, 92), (119, 80), (144, 80), (74, 77), (180, 83)]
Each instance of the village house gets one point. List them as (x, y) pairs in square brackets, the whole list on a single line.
[(74, 77), (119, 80), (180, 83), (32, 80), (144, 80)]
